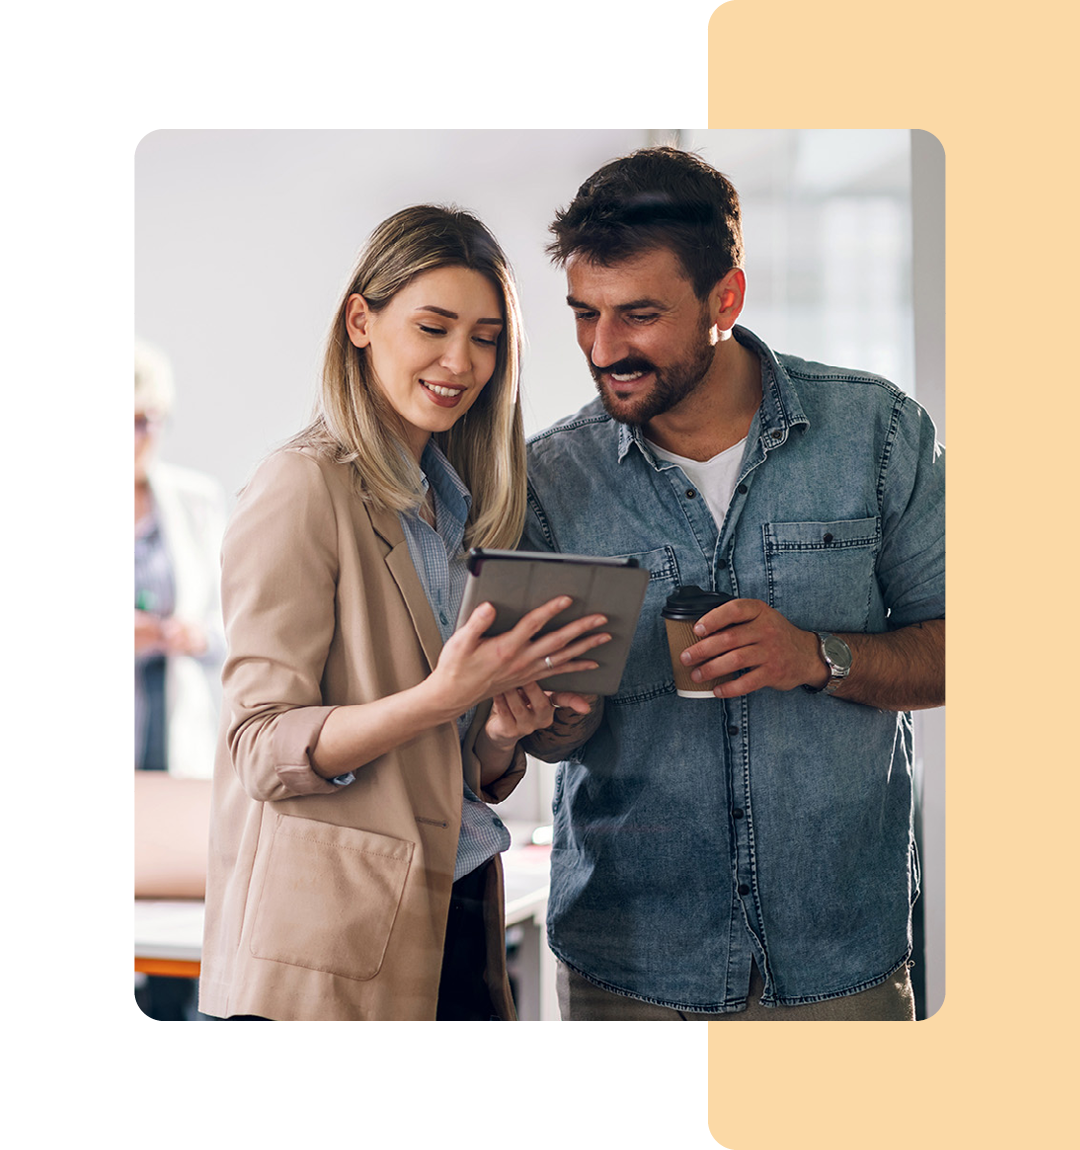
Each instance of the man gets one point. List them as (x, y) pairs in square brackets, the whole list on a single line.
[(752, 855)]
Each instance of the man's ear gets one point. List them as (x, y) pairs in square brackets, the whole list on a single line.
[(357, 320), (726, 299)]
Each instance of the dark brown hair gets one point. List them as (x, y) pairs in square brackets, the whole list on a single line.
[(655, 198)]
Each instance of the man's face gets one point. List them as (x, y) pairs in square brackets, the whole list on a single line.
[(648, 338)]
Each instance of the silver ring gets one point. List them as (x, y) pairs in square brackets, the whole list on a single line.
[(550, 665)]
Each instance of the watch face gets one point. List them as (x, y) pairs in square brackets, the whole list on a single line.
[(837, 652)]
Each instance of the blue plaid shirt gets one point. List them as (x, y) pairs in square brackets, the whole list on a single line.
[(439, 558)]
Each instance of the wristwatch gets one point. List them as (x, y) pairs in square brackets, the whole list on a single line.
[(837, 656)]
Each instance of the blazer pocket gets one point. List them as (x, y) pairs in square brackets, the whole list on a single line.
[(328, 896)]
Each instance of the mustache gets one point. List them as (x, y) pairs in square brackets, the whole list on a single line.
[(625, 366)]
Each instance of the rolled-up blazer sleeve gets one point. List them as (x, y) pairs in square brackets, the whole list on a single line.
[(279, 577)]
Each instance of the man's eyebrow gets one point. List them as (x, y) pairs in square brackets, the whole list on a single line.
[(632, 305), (454, 315)]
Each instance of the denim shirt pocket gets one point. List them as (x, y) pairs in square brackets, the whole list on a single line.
[(821, 575), (648, 669)]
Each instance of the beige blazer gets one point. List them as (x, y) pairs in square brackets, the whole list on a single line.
[(327, 902)]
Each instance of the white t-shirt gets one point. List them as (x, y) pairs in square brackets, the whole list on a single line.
[(715, 479)]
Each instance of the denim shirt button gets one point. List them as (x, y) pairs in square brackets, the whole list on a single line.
[(733, 730), (742, 489), (743, 888), (691, 493), (737, 813)]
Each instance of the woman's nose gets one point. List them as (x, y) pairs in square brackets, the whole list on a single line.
[(456, 357)]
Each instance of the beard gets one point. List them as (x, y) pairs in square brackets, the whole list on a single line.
[(671, 385)]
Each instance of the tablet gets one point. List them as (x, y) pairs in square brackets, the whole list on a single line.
[(515, 582)]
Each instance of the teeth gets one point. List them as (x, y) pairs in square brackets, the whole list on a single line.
[(448, 392), (627, 378)]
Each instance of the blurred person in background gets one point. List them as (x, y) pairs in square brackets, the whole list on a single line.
[(179, 639)]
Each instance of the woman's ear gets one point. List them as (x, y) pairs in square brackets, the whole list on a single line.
[(357, 320)]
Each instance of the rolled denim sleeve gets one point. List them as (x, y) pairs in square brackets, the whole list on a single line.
[(911, 562)]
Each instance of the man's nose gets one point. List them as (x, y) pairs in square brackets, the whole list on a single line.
[(608, 344)]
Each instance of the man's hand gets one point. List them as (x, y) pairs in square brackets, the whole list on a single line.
[(902, 670), (750, 636)]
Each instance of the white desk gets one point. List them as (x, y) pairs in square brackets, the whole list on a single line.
[(525, 872), (168, 933)]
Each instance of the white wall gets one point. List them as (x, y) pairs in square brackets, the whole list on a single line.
[(244, 241)]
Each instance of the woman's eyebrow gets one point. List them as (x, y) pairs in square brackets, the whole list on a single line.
[(454, 315)]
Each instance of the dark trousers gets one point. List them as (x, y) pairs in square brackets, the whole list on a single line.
[(463, 992)]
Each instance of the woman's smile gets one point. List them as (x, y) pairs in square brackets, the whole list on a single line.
[(433, 347), (443, 394)]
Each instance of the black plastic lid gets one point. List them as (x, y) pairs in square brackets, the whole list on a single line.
[(692, 602)]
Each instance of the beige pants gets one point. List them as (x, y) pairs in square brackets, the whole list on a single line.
[(892, 1001)]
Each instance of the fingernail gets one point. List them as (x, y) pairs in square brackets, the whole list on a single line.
[(699, 629), (696, 676), (685, 658)]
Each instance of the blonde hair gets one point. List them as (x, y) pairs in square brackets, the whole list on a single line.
[(355, 424)]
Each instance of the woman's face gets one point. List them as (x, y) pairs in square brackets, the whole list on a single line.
[(432, 347), (147, 433)]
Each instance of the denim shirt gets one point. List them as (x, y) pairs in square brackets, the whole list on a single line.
[(695, 836)]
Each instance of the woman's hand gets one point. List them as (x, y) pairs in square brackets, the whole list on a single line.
[(157, 636), (148, 638), (472, 668), (516, 714)]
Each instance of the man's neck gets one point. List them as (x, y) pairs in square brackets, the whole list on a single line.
[(718, 414)]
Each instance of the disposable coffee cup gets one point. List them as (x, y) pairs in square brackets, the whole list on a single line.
[(681, 611)]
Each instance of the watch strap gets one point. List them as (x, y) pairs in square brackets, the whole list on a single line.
[(838, 669)]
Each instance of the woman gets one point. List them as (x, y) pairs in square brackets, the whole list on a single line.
[(179, 644), (354, 864)]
